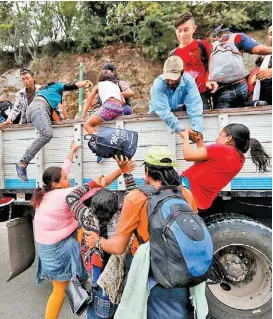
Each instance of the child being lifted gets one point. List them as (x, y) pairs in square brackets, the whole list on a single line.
[(112, 103)]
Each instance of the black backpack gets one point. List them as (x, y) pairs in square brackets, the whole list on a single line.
[(181, 245), (109, 142), (203, 51)]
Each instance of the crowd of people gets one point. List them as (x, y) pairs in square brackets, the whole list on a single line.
[(85, 229)]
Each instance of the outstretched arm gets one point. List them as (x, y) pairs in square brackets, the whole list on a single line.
[(191, 155), (89, 100)]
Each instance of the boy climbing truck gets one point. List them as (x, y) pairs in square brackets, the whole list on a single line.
[(239, 219)]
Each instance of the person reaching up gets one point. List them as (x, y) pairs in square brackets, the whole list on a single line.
[(217, 164)]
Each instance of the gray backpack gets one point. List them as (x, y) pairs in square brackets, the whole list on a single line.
[(226, 63)]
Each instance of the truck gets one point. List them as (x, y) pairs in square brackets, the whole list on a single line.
[(239, 219)]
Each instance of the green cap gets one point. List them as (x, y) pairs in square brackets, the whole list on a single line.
[(156, 154)]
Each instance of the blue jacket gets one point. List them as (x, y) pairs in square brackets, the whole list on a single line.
[(165, 100)]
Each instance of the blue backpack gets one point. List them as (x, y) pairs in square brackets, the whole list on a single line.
[(181, 245)]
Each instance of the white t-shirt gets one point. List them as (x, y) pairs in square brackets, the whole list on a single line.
[(107, 89)]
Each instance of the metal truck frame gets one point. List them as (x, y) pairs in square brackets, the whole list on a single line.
[(239, 219)]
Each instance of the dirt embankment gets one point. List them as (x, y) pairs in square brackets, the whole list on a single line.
[(129, 60)]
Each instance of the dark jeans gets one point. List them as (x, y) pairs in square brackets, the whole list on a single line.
[(205, 96), (168, 303), (230, 96), (100, 307), (38, 113)]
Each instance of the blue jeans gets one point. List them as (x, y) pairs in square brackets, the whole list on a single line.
[(38, 113), (100, 307), (230, 96), (167, 303)]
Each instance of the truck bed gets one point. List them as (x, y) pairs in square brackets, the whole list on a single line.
[(152, 132)]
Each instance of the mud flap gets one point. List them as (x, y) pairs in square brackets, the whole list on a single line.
[(21, 245)]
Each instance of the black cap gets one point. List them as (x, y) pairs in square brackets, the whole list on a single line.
[(219, 29), (109, 66)]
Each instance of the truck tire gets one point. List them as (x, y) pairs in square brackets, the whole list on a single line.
[(243, 246)]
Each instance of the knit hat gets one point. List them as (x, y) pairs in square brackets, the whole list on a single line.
[(160, 156)]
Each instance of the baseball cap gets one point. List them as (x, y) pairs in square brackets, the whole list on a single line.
[(109, 66), (159, 156), (173, 67), (219, 29)]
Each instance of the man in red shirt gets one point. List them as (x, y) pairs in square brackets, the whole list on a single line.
[(195, 55)]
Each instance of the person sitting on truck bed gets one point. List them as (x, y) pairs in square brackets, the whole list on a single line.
[(227, 66), (125, 88), (38, 113), (55, 228), (217, 164), (172, 89), (112, 103), (23, 98)]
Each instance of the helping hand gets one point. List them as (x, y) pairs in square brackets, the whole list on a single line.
[(195, 136), (125, 164), (4, 124), (90, 239)]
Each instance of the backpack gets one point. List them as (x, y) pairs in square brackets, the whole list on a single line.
[(109, 142), (5, 108), (181, 245), (203, 52), (226, 62)]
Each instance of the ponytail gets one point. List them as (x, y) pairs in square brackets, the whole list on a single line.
[(258, 155), (51, 175), (242, 141), (104, 206)]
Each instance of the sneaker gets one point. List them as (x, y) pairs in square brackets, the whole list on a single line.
[(4, 201), (21, 172), (100, 159)]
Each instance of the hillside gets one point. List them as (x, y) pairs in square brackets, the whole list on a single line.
[(129, 59)]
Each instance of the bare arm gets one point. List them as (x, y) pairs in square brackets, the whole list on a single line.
[(261, 49), (128, 93), (190, 154), (72, 151), (89, 100), (122, 98)]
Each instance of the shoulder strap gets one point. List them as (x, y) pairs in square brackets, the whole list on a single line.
[(172, 52), (232, 37), (148, 190), (204, 54)]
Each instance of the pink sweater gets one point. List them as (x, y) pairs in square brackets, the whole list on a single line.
[(53, 220)]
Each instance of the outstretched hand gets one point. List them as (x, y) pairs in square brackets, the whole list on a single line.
[(74, 146), (90, 238), (194, 136), (4, 124), (125, 164)]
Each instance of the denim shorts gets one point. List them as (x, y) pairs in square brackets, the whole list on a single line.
[(101, 306), (59, 261)]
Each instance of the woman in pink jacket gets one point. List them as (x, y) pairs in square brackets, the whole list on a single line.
[(55, 229)]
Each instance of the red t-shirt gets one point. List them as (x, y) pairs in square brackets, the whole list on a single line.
[(208, 177), (191, 56)]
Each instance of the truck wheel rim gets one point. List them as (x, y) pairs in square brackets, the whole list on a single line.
[(248, 284)]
